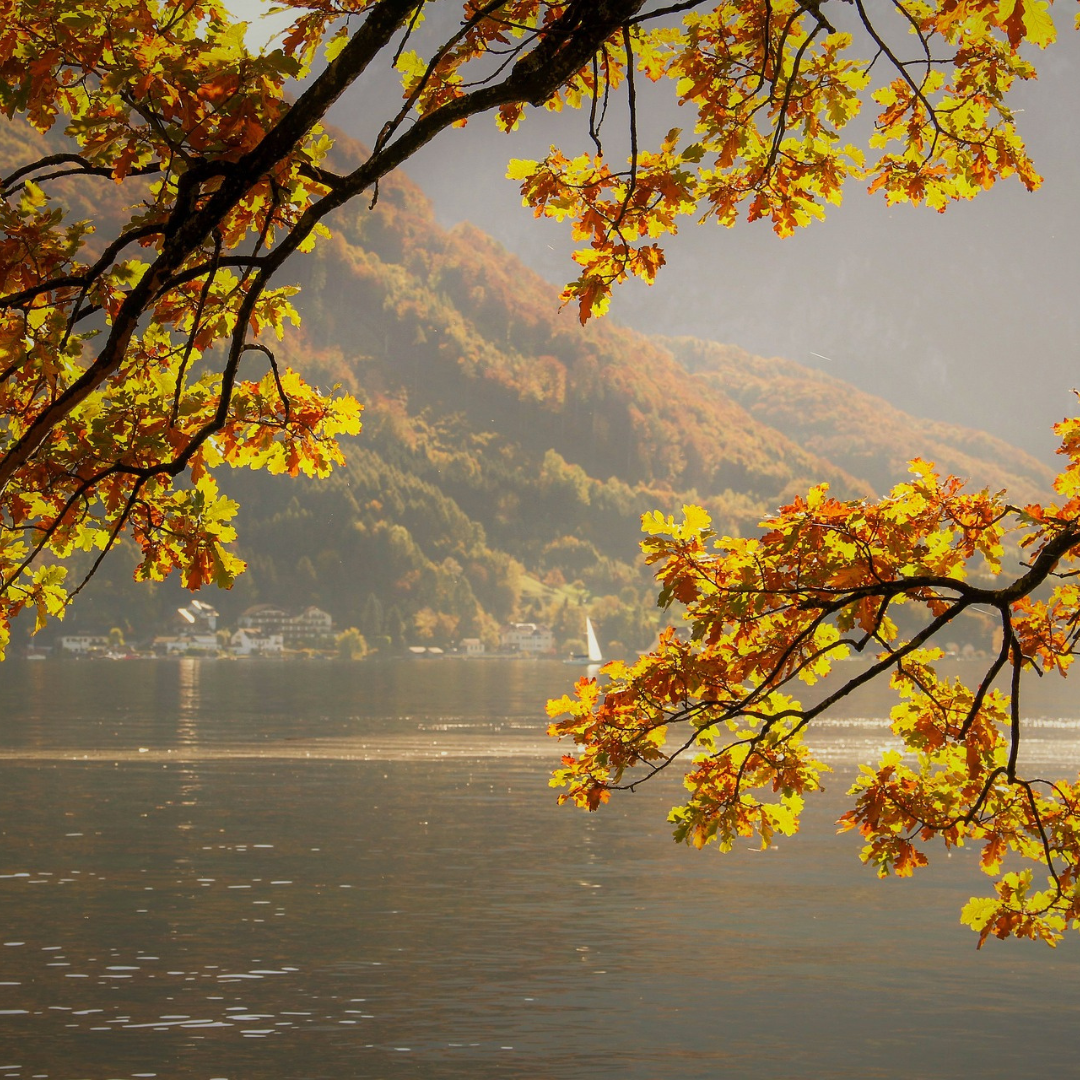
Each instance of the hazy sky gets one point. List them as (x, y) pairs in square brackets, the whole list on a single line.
[(970, 316)]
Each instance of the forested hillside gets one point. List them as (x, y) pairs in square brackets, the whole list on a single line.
[(508, 453), (853, 429)]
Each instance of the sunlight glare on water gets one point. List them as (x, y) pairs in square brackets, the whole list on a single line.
[(306, 870)]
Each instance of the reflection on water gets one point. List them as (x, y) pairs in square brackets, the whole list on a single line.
[(284, 870)]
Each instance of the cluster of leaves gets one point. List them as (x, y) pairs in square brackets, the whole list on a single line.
[(826, 579), (113, 409), (772, 87)]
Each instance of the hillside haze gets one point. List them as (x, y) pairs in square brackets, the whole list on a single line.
[(508, 453)]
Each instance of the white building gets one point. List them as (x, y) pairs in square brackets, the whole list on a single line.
[(251, 642), (311, 627), (472, 646), (527, 637), (199, 616), (187, 645), (82, 644)]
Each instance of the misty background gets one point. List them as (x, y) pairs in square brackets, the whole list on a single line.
[(968, 316)]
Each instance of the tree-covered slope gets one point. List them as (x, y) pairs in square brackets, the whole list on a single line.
[(508, 453), (855, 430), (453, 323)]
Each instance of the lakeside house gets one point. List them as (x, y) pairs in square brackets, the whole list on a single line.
[(197, 617), (310, 628), (248, 641), (192, 632), (84, 644), (527, 637), (188, 644)]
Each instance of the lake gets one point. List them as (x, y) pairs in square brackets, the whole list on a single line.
[(269, 870)]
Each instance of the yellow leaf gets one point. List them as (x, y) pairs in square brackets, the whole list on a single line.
[(521, 169), (1039, 23), (695, 520), (33, 198), (336, 44)]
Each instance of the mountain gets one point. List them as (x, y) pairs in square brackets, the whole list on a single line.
[(857, 431), (453, 323), (508, 453)]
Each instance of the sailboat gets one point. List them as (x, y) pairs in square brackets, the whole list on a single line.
[(594, 656)]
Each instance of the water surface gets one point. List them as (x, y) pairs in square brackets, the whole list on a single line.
[(274, 870)]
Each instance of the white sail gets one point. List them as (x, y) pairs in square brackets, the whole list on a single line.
[(595, 656)]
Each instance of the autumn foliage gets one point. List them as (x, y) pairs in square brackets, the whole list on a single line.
[(825, 581), (127, 356), (770, 88)]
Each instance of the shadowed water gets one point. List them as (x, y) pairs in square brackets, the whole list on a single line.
[(271, 870)]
